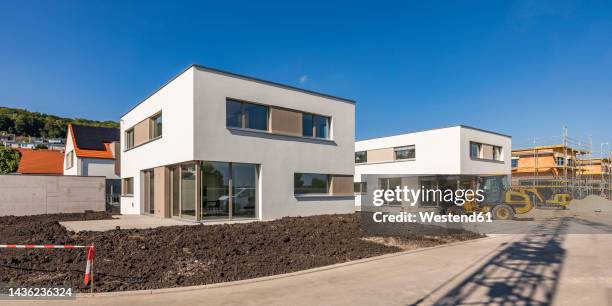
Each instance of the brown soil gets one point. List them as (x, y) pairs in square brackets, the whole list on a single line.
[(189, 255)]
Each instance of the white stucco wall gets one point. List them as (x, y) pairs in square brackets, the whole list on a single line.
[(74, 170), (470, 166), (175, 100), (437, 152), (279, 157)]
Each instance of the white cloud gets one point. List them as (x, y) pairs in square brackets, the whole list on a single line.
[(303, 79)]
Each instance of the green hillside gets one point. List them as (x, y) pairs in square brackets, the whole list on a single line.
[(25, 123)]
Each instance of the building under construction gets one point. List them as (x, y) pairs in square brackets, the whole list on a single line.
[(567, 168)]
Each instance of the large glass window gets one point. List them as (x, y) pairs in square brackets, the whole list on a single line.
[(310, 183), (246, 115), (215, 178), (406, 152), (307, 125), (361, 157), (156, 123), (244, 187), (188, 191)]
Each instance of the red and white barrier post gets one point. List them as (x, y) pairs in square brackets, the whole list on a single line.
[(90, 255)]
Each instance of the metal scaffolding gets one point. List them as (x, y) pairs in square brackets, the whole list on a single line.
[(572, 171)]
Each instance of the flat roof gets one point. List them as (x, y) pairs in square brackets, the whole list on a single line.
[(440, 128), (244, 77)]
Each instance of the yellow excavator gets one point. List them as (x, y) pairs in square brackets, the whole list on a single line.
[(499, 199), (545, 196)]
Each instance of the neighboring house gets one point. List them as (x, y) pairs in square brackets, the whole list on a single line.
[(545, 165), (40, 162), (213, 145), (429, 158), (94, 151)]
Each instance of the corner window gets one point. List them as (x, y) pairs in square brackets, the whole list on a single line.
[(315, 126), (310, 183), (69, 160), (129, 139), (246, 115), (514, 163), (360, 187), (361, 157), (127, 186), (156, 126), (570, 162), (406, 152)]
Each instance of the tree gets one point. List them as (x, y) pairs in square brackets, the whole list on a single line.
[(9, 160)]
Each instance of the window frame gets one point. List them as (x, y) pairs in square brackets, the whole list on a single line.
[(365, 155), (408, 149), (242, 116), (69, 160), (314, 130), (127, 182), (478, 150), (514, 163), (498, 153), (129, 138), (327, 185), (153, 126), (362, 189)]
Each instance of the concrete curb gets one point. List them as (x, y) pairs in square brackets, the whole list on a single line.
[(278, 276)]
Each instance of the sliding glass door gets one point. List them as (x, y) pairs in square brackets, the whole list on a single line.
[(244, 187), (228, 190)]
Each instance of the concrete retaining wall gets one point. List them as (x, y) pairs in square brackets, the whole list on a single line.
[(45, 194)]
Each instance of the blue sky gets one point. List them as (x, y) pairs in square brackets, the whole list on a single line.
[(522, 68)]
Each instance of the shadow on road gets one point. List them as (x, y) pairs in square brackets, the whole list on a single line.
[(526, 272)]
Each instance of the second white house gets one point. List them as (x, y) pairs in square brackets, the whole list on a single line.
[(451, 156)]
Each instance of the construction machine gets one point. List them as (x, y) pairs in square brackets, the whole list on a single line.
[(545, 196), (499, 199)]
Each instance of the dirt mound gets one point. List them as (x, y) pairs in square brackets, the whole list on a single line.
[(188, 255), (590, 204)]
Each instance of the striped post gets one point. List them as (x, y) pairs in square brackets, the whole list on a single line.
[(90, 254)]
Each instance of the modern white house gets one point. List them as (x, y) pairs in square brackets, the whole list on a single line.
[(94, 151), (429, 158), (214, 145)]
